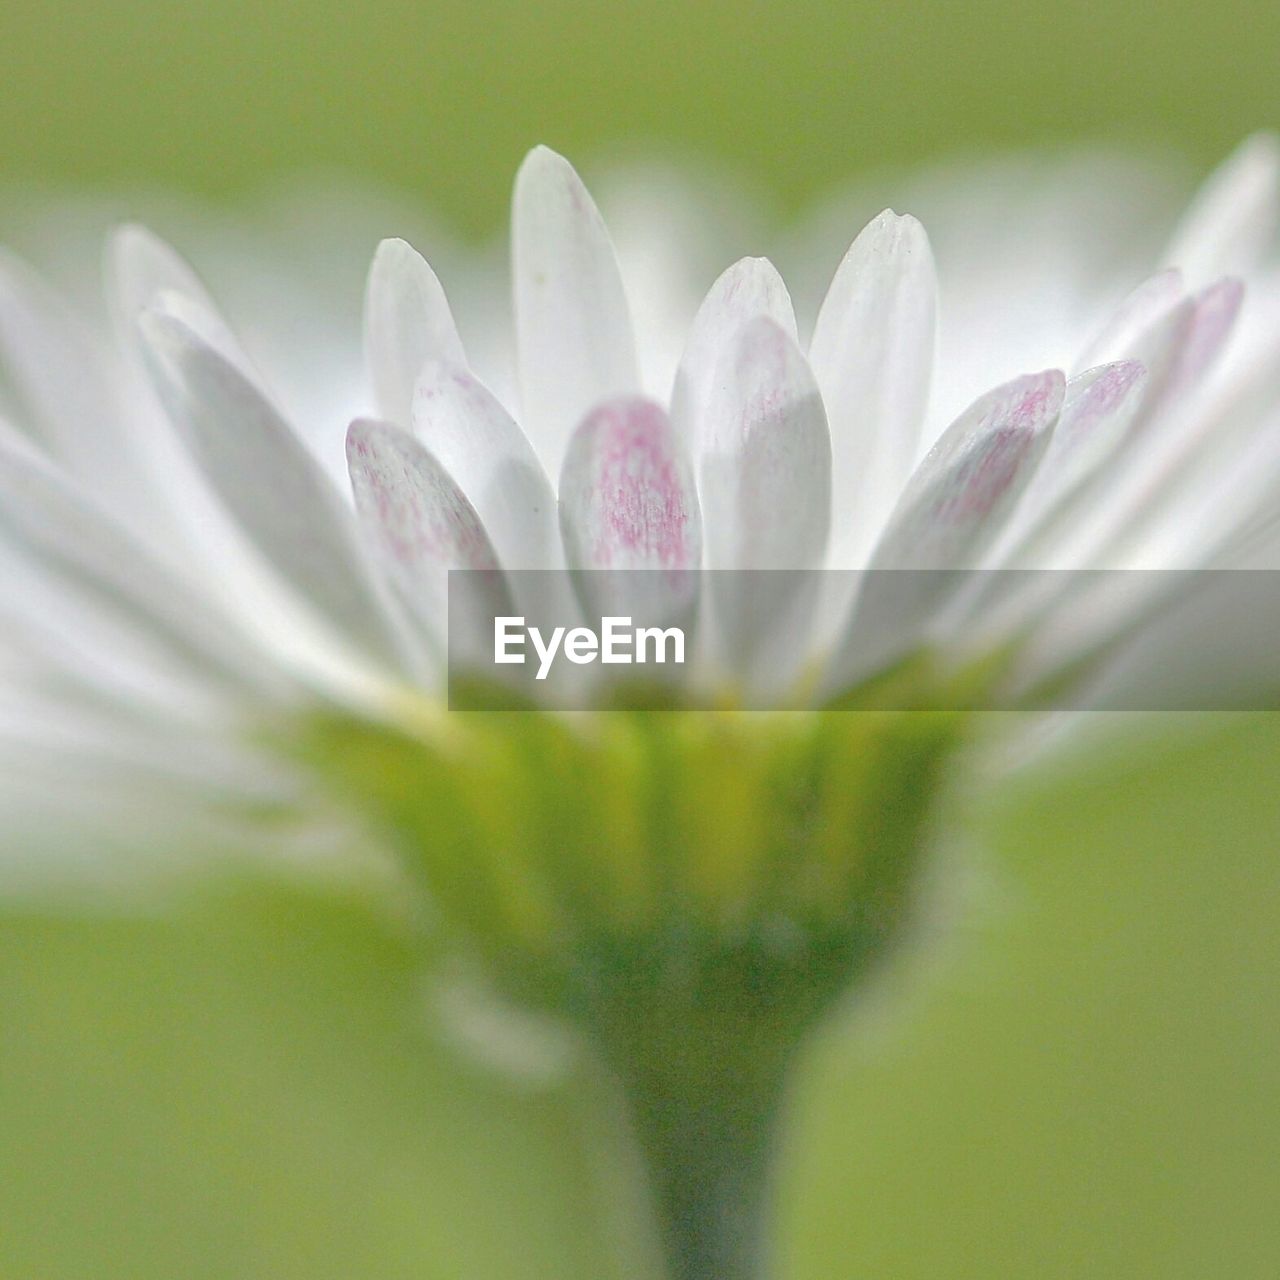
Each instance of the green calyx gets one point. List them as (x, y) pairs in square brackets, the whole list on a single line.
[(689, 890), (750, 851)]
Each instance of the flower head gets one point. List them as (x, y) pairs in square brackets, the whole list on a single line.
[(198, 606), (213, 639)]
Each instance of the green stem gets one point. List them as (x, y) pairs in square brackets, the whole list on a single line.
[(702, 1107)]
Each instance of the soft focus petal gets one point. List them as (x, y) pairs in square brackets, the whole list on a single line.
[(100, 650), (1177, 351), (407, 321), (1231, 225), (274, 486), (83, 549), (1215, 310), (1149, 303), (574, 336), (1176, 338), (1097, 417), (950, 514), (73, 394), (140, 268)]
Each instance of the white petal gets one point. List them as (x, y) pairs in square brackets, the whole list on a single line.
[(86, 553), (1158, 349), (407, 321), (1189, 519), (751, 287), (1232, 222), (1164, 497), (765, 483), (93, 646), (1118, 498), (273, 485), (1215, 311), (1149, 303), (1200, 515), (627, 497), (140, 267), (872, 354), (419, 521), (143, 271), (70, 389), (574, 337), (1177, 352), (1180, 343), (765, 478), (1187, 485), (492, 462)]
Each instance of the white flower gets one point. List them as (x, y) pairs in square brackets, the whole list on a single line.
[(181, 561)]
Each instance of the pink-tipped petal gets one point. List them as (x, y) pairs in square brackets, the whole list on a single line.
[(1216, 309), (960, 493), (950, 514), (627, 498), (1097, 414), (1179, 345), (627, 502), (1169, 446), (1095, 423), (421, 516), (418, 520)]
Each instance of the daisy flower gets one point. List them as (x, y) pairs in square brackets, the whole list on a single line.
[(215, 638)]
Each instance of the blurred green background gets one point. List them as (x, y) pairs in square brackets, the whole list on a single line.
[(1087, 1087), (443, 99)]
